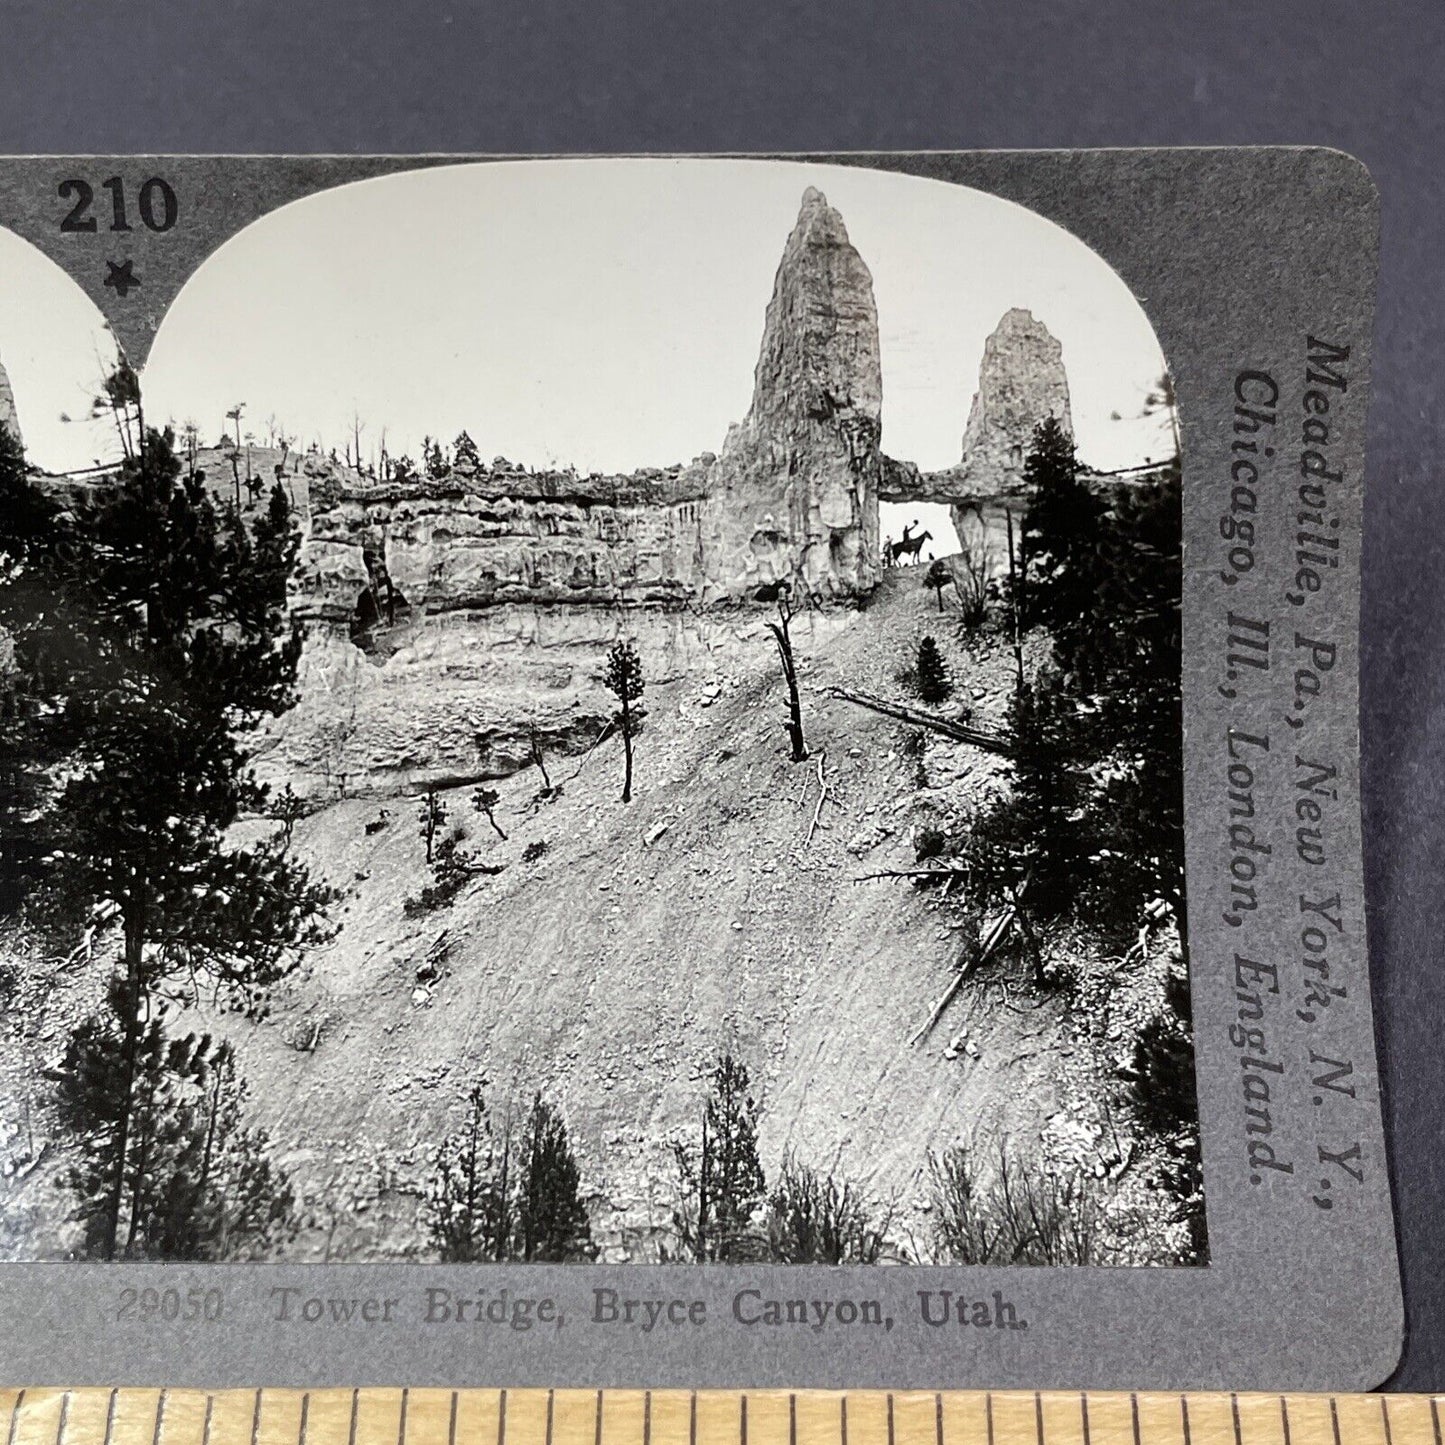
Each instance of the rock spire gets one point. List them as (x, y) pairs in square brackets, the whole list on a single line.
[(794, 493)]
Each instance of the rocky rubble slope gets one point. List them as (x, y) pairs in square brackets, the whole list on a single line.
[(622, 947)]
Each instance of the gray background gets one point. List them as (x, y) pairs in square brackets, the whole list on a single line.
[(259, 75)]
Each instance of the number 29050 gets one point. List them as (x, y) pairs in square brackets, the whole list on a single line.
[(189, 1306)]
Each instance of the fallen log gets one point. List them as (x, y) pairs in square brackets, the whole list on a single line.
[(995, 936), (950, 873), (990, 742)]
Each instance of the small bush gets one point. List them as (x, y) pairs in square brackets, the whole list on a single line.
[(1024, 1214), (815, 1219), (535, 851)]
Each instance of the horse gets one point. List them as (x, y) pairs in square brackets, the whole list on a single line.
[(908, 547)]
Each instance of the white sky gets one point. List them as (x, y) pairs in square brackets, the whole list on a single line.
[(605, 314)]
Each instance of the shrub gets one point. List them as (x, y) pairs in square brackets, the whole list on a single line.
[(815, 1219), (1024, 1214), (930, 674)]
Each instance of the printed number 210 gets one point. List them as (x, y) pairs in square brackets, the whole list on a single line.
[(156, 202)]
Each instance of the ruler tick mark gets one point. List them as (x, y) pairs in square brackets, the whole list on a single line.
[(843, 1419), (1083, 1416), (792, 1420), (305, 1417), (1039, 1416), (401, 1423), (502, 1418), (65, 1416), (1234, 1415), (692, 1419), (1385, 1420), (109, 1418), (647, 1418), (1335, 1419), (1284, 1418), (206, 1425), (890, 1418), (551, 1405), (988, 1413), (1134, 1415), (355, 1406), (742, 1419), (937, 1419), (1184, 1415), (452, 1422), (19, 1403), (597, 1423), (256, 1420), (1435, 1418)]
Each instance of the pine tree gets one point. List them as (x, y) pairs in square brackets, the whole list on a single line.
[(721, 1184), (434, 459), (194, 1182), (624, 680), (930, 674), (465, 456), (1062, 535), (165, 642), (33, 620), (552, 1224), (469, 1208), (1162, 1095), (485, 801)]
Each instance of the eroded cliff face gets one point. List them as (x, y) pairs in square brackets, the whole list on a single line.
[(452, 621), (794, 493)]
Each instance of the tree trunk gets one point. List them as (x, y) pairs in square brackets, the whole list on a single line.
[(134, 946), (627, 750)]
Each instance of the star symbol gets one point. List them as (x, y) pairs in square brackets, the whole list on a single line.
[(120, 277)]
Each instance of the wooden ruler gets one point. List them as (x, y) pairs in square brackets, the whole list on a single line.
[(709, 1417)]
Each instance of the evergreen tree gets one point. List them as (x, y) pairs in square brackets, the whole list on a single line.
[(721, 1184), (193, 1181), (623, 679), (165, 642), (33, 613), (1163, 1097), (434, 459), (930, 674), (469, 1209), (1062, 533), (552, 1224), (485, 801), (465, 456)]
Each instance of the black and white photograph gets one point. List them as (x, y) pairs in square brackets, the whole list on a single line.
[(598, 711)]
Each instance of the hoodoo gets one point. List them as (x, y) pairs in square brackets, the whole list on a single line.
[(794, 493)]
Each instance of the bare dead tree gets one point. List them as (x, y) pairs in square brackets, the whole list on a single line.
[(781, 593)]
